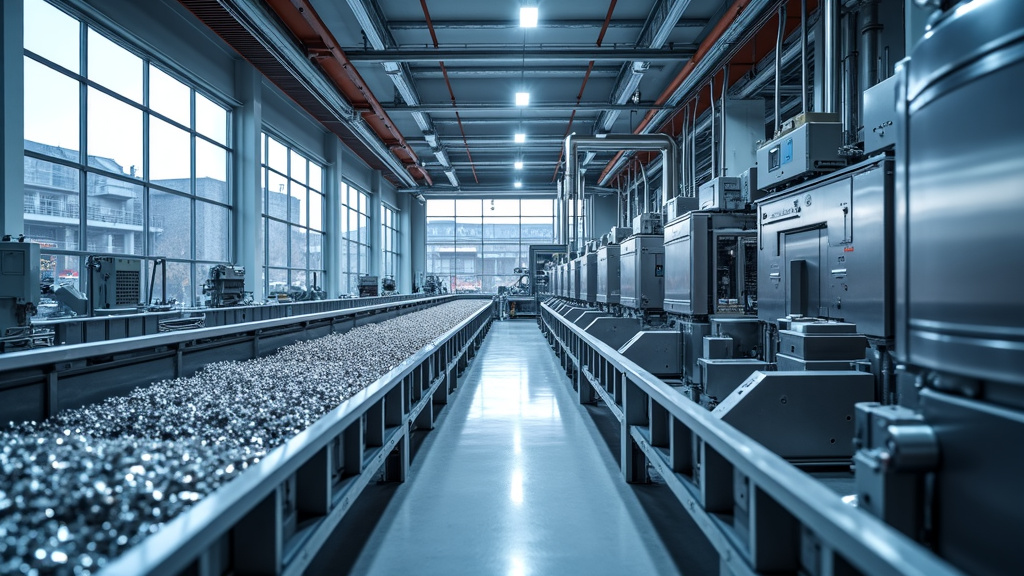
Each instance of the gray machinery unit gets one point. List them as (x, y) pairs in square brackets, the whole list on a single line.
[(810, 147), (19, 285), (574, 279), (642, 265), (115, 284), (647, 223), (225, 285), (825, 250), (609, 285), (588, 277), (368, 286), (948, 470), (542, 267), (712, 264)]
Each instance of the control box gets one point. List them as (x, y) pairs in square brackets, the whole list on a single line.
[(807, 150)]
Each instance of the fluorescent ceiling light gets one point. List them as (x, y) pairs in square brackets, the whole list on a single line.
[(520, 138), (518, 184), (528, 17), (519, 164), (522, 98)]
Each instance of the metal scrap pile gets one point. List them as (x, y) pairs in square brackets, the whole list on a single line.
[(87, 484)]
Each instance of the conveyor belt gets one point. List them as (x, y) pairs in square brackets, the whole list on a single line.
[(516, 481)]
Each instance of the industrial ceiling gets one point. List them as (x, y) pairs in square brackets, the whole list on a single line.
[(429, 87)]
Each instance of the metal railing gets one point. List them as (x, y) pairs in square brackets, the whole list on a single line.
[(761, 514)]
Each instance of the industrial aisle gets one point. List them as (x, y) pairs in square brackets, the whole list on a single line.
[(515, 482)]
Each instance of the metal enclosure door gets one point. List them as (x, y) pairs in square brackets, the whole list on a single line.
[(628, 264), (801, 255), (681, 243), (574, 288)]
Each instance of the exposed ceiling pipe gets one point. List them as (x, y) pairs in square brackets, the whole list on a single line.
[(803, 56), (303, 21), (722, 38), (778, 67), (617, 142)]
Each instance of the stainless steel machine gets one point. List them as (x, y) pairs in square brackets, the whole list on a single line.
[(609, 284), (642, 264), (225, 285), (588, 277), (19, 294), (945, 467)]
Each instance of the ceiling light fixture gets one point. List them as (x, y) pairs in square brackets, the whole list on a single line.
[(520, 138), (518, 184), (528, 17), (519, 164), (522, 98)]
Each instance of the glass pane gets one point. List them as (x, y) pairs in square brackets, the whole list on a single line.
[(440, 207), (277, 155), (179, 282), (277, 195), (52, 34), (298, 247), (502, 208), (211, 171), (277, 243), (298, 167), (316, 175), (213, 232), (277, 281), (344, 223), (52, 213), (364, 230), (468, 207), (115, 134), (51, 112), (170, 225), (298, 280), (440, 229), (114, 67), (316, 251), (297, 204), (501, 228), (263, 193), (61, 270), (114, 216), (537, 207), (538, 230), (468, 229), (211, 119), (364, 259), (364, 203), (316, 211), (169, 97), (170, 153)]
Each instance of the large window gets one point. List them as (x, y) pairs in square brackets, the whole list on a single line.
[(355, 243), (389, 239), (292, 205), (122, 157), (476, 245)]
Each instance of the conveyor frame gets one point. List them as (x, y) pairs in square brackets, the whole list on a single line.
[(759, 512), (240, 527)]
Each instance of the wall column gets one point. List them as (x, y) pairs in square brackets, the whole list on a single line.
[(12, 117), (334, 257), (248, 182)]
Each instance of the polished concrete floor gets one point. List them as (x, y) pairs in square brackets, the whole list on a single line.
[(515, 481)]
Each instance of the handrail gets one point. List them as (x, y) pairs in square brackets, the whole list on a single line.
[(864, 540)]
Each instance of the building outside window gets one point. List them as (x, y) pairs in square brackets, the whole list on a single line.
[(355, 244), (475, 245), (122, 157), (389, 238), (292, 230)]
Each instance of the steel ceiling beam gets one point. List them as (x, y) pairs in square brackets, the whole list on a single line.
[(513, 72), (655, 33), (376, 32), (530, 54), (543, 24), (544, 106)]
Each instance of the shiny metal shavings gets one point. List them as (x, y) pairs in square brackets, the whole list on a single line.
[(79, 489)]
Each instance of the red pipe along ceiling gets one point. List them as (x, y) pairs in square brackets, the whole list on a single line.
[(303, 22)]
